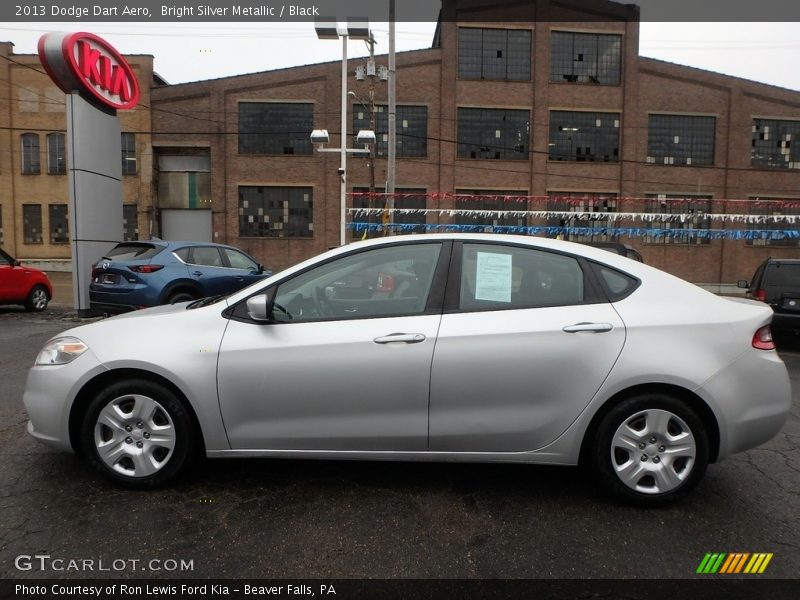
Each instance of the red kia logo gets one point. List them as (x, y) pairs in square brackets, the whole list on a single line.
[(86, 61)]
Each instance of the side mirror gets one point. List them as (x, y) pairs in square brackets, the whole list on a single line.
[(257, 308), (259, 269), (742, 283), (17, 263)]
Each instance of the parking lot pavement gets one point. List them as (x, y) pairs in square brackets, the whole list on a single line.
[(304, 519)]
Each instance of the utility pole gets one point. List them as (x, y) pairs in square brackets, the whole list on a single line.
[(371, 44), (390, 167)]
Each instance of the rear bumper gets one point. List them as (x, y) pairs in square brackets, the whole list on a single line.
[(751, 399), (118, 302)]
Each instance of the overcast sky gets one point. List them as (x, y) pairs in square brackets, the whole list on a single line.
[(765, 52)]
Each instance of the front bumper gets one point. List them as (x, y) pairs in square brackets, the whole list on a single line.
[(49, 394), (751, 399)]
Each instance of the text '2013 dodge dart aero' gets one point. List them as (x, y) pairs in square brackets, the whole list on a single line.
[(432, 347)]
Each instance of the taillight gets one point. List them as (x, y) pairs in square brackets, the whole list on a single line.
[(762, 339), (146, 268), (760, 295)]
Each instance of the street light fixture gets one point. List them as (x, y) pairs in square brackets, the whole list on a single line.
[(357, 28), (320, 136)]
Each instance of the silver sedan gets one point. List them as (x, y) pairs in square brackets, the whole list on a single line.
[(432, 347)]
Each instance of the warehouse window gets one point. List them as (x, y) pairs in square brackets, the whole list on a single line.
[(770, 206), (681, 140), (59, 227), (493, 133), (411, 127), (271, 211), (275, 127), (30, 154), (32, 223), (130, 223), (586, 58), (491, 200), (56, 154), (590, 208), (129, 166), (405, 198), (775, 144), (494, 54), (689, 214), (584, 136)]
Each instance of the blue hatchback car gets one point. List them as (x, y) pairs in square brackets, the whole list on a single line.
[(148, 273)]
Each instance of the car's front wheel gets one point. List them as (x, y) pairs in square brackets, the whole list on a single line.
[(138, 433), (37, 299), (650, 449)]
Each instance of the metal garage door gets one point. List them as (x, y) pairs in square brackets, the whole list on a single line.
[(186, 225)]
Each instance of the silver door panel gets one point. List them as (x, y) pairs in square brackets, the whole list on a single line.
[(328, 385), (514, 380)]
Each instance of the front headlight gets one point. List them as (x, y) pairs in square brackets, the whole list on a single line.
[(61, 351)]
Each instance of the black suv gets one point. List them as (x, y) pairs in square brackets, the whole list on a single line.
[(777, 282)]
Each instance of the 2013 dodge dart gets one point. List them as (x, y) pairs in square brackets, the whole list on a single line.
[(451, 347)]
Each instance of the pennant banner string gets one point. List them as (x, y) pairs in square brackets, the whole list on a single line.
[(554, 231), (583, 215), (579, 199)]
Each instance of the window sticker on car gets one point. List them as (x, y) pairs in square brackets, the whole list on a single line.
[(493, 277)]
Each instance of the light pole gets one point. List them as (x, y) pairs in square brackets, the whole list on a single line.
[(327, 29)]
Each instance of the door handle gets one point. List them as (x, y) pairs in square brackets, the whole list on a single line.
[(588, 327), (405, 338)]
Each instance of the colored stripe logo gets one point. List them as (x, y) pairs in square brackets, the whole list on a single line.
[(734, 562)]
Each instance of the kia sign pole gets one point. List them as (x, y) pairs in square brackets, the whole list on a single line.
[(98, 81)]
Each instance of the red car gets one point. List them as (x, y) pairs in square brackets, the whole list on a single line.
[(23, 285)]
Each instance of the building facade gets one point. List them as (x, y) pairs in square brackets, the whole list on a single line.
[(554, 120), (535, 117), (34, 194)]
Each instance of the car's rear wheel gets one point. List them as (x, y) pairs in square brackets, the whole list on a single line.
[(650, 449), (37, 299), (138, 433), (181, 297)]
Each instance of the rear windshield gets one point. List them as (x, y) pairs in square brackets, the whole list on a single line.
[(784, 275), (134, 251)]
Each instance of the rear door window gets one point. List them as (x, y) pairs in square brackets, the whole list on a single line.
[(207, 256), (507, 277)]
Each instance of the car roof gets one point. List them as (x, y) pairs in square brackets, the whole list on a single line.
[(784, 260), (591, 252), (175, 244)]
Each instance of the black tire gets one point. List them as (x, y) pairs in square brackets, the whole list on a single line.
[(37, 299), (181, 297), (665, 476), (170, 411)]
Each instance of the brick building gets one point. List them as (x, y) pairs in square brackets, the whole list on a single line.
[(536, 108), (34, 195)]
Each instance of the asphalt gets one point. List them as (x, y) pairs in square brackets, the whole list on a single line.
[(331, 519)]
